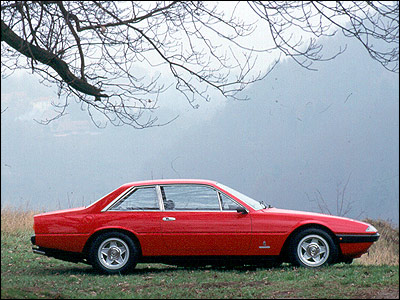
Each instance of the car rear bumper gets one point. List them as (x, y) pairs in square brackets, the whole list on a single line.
[(58, 254)]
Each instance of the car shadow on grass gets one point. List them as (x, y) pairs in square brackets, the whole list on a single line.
[(143, 269)]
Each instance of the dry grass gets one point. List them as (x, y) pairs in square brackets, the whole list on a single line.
[(384, 252), (16, 221)]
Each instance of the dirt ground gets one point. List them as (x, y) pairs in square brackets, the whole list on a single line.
[(384, 293)]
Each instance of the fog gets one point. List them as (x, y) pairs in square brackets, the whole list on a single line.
[(303, 135)]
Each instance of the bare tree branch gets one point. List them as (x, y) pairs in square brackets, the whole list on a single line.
[(344, 204), (47, 58), (117, 58)]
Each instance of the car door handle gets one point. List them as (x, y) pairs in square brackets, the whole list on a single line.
[(168, 219)]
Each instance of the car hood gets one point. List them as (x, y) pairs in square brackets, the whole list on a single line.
[(335, 223), (303, 213)]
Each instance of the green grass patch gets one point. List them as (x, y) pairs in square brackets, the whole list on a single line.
[(27, 275)]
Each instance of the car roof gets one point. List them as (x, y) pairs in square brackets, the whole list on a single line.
[(171, 181)]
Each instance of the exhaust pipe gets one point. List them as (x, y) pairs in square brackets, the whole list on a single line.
[(37, 251)]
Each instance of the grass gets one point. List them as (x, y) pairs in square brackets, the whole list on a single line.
[(26, 275)]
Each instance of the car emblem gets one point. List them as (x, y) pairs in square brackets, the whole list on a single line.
[(264, 246)]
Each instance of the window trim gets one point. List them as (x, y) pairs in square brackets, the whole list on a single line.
[(130, 191), (233, 200), (192, 210), (218, 191), (161, 200)]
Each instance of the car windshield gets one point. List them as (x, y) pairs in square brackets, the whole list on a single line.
[(249, 201)]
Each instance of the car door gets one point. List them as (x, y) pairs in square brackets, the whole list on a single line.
[(195, 223)]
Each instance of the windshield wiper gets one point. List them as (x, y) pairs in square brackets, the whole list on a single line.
[(265, 205)]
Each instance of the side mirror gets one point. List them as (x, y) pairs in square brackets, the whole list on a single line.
[(241, 210)]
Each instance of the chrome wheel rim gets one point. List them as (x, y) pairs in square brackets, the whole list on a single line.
[(113, 253), (313, 250)]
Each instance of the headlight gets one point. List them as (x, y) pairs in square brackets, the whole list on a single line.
[(371, 229)]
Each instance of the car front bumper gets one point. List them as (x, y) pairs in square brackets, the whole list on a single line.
[(353, 246), (353, 238)]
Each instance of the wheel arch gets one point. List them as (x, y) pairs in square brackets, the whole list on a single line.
[(284, 251), (128, 233)]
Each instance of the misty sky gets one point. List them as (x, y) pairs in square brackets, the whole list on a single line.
[(302, 133)]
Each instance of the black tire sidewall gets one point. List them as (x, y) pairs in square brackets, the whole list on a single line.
[(333, 249), (94, 259)]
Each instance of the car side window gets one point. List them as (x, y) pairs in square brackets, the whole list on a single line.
[(138, 199), (189, 197), (227, 203)]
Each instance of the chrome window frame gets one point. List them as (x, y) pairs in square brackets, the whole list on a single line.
[(161, 200), (192, 210), (130, 191), (233, 200), (219, 192), (234, 192)]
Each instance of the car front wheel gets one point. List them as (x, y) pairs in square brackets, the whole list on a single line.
[(312, 248), (113, 252)]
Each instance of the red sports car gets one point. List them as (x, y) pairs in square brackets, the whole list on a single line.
[(194, 222)]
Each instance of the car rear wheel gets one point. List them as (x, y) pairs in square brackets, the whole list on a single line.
[(312, 248), (113, 252)]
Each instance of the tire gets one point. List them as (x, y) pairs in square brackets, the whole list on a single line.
[(113, 253), (348, 261), (312, 248)]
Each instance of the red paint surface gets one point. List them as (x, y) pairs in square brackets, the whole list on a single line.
[(260, 232)]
